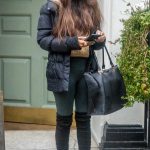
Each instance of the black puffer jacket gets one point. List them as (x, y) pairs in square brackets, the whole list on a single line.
[(58, 66)]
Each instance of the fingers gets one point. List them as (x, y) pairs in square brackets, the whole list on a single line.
[(83, 43), (82, 37), (100, 32), (102, 37)]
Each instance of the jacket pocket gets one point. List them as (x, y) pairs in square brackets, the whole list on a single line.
[(54, 70), (59, 69), (50, 70)]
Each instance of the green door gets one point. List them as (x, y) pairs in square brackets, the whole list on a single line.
[(23, 63)]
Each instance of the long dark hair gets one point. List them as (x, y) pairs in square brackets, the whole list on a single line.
[(77, 17)]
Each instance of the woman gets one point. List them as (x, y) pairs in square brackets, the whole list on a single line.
[(62, 28)]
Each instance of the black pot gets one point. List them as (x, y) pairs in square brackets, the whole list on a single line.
[(148, 39)]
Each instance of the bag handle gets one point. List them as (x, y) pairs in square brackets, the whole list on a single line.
[(99, 68), (103, 61)]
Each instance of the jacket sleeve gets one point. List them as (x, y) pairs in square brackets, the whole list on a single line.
[(46, 39)]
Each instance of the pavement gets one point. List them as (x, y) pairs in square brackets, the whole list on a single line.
[(38, 140)]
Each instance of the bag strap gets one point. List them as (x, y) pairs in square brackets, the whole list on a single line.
[(103, 58), (98, 67)]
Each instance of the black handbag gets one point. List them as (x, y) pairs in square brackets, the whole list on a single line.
[(105, 88)]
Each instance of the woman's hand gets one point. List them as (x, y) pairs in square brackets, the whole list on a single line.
[(102, 37), (83, 43)]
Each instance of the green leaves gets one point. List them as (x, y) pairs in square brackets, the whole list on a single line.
[(134, 59)]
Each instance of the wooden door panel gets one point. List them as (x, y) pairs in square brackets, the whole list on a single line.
[(22, 61), (16, 81), (16, 25)]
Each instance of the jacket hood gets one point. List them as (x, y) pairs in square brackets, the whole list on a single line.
[(52, 5)]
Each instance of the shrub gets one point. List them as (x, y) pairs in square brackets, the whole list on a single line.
[(134, 59)]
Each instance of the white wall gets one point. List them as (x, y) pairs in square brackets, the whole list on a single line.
[(113, 11)]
